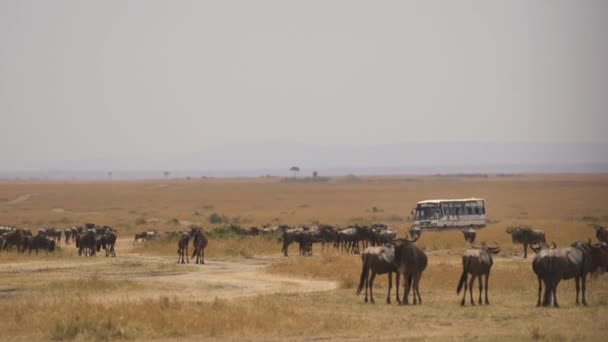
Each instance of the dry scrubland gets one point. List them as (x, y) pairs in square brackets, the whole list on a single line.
[(142, 294)]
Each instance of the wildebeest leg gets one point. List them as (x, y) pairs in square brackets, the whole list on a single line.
[(487, 278), (584, 289), (577, 281), (408, 287), (390, 286), (371, 287), (464, 295), (366, 280), (525, 250), (417, 288), (397, 288), (480, 288), (471, 283), (554, 291), (540, 290), (547, 295)]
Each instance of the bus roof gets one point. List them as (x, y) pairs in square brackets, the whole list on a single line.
[(437, 201)]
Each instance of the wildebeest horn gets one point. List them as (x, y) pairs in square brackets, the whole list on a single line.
[(413, 240), (474, 246), (554, 245)]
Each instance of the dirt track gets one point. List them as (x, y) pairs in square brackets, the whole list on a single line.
[(153, 277)]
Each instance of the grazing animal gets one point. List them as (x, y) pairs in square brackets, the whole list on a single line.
[(2, 242), (601, 233), (300, 235), (182, 248), (477, 262), (551, 265), (41, 242), (526, 236), (378, 260), (200, 242), (469, 235), (139, 237), (107, 241), (86, 243), (68, 234), (411, 261)]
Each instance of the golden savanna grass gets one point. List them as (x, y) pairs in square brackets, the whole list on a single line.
[(41, 300)]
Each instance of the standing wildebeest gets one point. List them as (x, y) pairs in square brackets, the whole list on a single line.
[(526, 236), (86, 243), (182, 248), (40, 241), (2, 242), (477, 262), (348, 239), (576, 261), (199, 244), (378, 260), (68, 234), (411, 261), (107, 241), (300, 235), (469, 235), (601, 233)]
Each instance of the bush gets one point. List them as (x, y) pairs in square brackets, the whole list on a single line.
[(140, 220), (227, 231), (216, 218)]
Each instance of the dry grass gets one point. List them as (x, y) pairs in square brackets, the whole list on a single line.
[(45, 301)]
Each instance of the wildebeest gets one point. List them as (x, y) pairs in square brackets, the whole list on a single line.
[(299, 235), (526, 236), (40, 241), (2, 242), (411, 262), (469, 235), (86, 243), (200, 242), (182, 248), (68, 234), (551, 265), (107, 241), (378, 260), (477, 262), (601, 233)]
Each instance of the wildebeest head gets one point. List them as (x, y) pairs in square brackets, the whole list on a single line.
[(491, 249), (51, 245), (599, 257), (543, 245), (601, 233)]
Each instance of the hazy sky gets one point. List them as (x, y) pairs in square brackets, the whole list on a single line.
[(93, 80)]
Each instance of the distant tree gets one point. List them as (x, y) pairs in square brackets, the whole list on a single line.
[(166, 174), (315, 174), (295, 170), (110, 174)]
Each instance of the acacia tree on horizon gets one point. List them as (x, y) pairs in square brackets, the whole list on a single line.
[(295, 170)]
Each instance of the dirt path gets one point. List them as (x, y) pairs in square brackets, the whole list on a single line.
[(153, 277)]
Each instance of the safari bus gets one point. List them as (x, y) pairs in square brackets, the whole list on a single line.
[(450, 213)]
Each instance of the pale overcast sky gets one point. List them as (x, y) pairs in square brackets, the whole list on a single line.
[(115, 80)]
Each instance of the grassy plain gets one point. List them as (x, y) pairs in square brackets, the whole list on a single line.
[(61, 296)]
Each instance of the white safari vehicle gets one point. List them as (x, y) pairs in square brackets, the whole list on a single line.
[(450, 213)]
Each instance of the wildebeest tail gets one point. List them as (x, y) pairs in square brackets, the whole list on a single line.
[(463, 277), (364, 273)]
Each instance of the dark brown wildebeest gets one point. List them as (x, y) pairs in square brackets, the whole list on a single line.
[(86, 243), (385, 236), (601, 233), (526, 236), (469, 235), (107, 241), (299, 235), (41, 242), (411, 262), (139, 237), (551, 265), (348, 239), (68, 234), (378, 260), (477, 262), (182, 248), (2, 242), (18, 237), (199, 243)]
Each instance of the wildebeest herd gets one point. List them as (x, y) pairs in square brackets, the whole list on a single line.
[(88, 238), (550, 264), (383, 253)]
